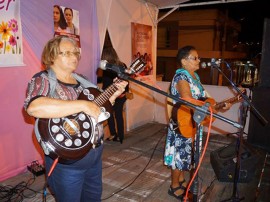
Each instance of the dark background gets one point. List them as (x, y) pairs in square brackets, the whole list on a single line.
[(250, 14)]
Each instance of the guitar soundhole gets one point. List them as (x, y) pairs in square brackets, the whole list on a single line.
[(72, 132), (70, 129)]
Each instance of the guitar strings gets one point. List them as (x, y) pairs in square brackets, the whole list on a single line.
[(103, 97)]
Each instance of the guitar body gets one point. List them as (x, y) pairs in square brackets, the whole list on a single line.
[(212, 103), (183, 115), (71, 137)]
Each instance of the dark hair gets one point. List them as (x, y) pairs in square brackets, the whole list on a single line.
[(184, 53), (109, 54), (62, 21), (69, 9), (51, 49)]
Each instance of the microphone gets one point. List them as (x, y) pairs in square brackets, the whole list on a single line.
[(213, 63), (104, 65)]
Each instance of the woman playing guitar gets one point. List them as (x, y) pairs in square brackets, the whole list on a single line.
[(179, 149)]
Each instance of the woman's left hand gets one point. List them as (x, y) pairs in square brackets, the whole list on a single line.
[(121, 88), (227, 106)]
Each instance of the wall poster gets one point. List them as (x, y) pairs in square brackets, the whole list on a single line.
[(66, 22), (141, 39)]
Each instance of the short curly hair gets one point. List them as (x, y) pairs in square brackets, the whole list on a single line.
[(51, 49)]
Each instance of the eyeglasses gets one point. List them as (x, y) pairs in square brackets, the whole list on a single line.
[(68, 54), (194, 58)]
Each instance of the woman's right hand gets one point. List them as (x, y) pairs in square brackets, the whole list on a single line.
[(92, 109)]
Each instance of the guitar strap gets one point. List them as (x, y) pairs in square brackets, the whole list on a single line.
[(53, 81)]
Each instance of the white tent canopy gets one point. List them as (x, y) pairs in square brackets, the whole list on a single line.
[(175, 4)]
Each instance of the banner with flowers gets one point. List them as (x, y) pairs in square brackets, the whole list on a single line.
[(10, 34)]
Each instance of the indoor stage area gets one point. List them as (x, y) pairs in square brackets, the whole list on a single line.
[(225, 41)]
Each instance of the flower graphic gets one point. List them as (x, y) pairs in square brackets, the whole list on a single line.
[(13, 25), (12, 40), (9, 40), (5, 30), (8, 48)]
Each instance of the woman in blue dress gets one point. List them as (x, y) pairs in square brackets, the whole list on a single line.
[(179, 149)]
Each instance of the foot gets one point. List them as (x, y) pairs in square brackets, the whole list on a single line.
[(183, 184), (110, 138), (116, 139), (177, 192)]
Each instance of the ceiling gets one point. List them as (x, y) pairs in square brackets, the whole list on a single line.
[(172, 5), (164, 4)]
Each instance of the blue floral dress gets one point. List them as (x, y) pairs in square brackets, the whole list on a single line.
[(178, 149)]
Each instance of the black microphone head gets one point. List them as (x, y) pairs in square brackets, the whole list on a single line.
[(102, 64)]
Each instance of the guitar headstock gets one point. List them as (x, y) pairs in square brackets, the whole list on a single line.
[(137, 65)]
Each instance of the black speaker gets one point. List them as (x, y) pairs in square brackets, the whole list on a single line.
[(264, 72), (258, 133), (224, 159)]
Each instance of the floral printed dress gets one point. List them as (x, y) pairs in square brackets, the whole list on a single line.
[(178, 149)]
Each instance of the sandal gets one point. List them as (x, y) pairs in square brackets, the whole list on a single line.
[(181, 184), (172, 191)]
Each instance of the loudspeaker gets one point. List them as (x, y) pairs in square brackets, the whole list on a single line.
[(264, 72), (224, 159), (258, 133)]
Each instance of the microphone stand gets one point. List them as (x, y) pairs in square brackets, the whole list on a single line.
[(244, 109), (199, 115), (198, 118)]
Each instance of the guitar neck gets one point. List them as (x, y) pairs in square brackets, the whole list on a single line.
[(105, 95), (137, 66), (222, 104)]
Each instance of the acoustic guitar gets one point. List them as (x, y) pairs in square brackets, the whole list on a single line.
[(183, 115), (71, 137)]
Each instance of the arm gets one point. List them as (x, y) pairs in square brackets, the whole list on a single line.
[(184, 90), (121, 88), (45, 107)]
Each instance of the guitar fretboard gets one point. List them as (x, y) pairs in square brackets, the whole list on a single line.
[(104, 96), (219, 105)]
